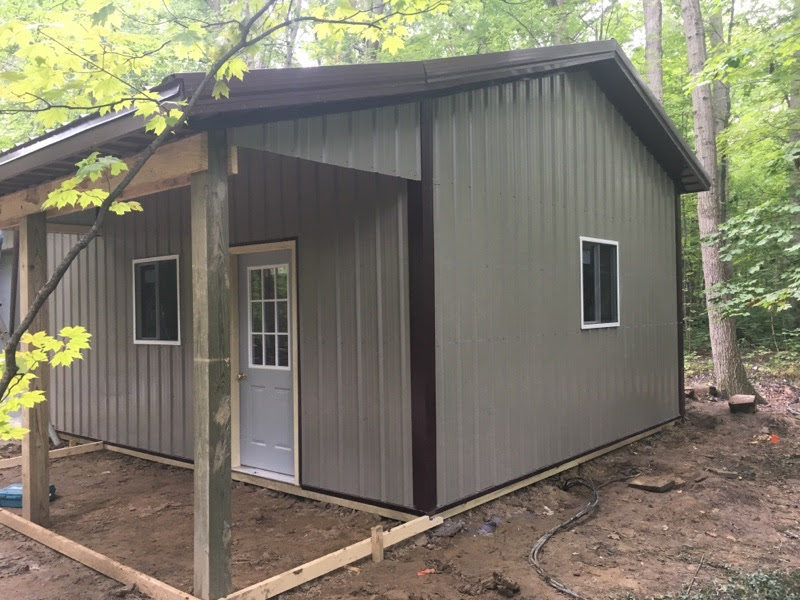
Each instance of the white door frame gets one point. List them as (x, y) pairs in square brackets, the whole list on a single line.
[(235, 251)]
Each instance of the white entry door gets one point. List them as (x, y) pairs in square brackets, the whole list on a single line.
[(266, 356)]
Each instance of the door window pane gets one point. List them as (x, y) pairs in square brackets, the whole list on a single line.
[(283, 317), (257, 323), (283, 350), (281, 282), (269, 283), (270, 351), (255, 284), (269, 316)]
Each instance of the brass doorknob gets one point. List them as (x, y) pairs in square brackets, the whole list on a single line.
[(241, 376)]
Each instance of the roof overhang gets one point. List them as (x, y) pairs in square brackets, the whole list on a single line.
[(276, 94)]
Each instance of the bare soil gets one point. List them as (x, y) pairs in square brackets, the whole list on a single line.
[(636, 542)]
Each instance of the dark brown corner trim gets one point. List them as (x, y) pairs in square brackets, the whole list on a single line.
[(422, 317), (679, 286)]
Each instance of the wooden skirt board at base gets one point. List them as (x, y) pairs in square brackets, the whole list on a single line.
[(158, 590), (269, 588), (387, 512), (7, 463)]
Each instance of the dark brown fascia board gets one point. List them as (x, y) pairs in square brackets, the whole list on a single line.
[(74, 137), (267, 94), (693, 168), (277, 89)]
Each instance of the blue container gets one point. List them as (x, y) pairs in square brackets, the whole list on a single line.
[(11, 496)]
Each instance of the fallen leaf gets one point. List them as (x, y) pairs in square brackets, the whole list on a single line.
[(711, 534)]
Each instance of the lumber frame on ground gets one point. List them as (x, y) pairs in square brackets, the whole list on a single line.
[(157, 590), (288, 580), (15, 461), (372, 546)]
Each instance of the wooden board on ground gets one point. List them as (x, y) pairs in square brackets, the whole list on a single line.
[(157, 590), (653, 483), (288, 580), (742, 403), (7, 463)]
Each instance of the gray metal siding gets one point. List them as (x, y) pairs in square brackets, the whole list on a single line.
[(380, 140), (353, 316), (521, 171), (135, 395)]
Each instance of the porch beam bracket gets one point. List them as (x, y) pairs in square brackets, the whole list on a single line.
[(212, 397)]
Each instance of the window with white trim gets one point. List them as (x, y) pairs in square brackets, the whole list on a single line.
[(599, 283), (156, 301)]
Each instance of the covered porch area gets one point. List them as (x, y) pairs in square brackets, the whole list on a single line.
[(323, 247)]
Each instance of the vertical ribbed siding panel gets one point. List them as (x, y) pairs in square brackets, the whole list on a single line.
[(380, 140), (350, 228), (124, 393), (522, 171), (353, 299)]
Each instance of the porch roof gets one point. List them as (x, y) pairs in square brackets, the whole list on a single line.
[(277, 94)]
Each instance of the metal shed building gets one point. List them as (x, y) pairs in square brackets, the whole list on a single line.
[(442, 277)]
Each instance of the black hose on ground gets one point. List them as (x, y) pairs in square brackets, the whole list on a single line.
[(533, 557)]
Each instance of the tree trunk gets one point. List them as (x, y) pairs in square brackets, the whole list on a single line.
[(728, 368), (794, 113), (721, 98), (291, 34), (653, 50), (558, 34)]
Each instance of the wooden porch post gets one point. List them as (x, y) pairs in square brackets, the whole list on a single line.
[(35, 445), (212, 400)]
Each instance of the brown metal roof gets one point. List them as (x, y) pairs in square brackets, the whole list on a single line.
[(275, 94)]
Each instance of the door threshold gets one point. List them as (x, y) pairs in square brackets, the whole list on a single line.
[(266, 474)]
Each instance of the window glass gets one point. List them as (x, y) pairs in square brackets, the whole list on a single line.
[(588, 284), (599, 283), (269, 316), (156, 307)]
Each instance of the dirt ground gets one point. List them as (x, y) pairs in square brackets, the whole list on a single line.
[(636, 542)]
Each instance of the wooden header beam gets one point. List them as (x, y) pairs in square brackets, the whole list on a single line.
[(170, 167)]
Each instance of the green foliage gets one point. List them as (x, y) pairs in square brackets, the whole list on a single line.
[(763, 242), (42, 350), (761, 585)]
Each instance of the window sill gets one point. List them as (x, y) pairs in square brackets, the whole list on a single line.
[(599, 325)]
